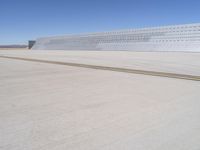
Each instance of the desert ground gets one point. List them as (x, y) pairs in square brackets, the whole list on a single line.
[(47, 106), (13, 49)]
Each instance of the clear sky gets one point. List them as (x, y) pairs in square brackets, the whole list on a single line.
[(23, 20)]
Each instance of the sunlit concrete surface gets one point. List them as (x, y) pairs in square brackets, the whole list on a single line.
[(55, 107), (175, 62)]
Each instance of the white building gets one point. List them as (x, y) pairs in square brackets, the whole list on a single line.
[(167, 38)]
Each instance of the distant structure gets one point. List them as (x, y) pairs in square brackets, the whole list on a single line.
[(30, 44), (166, 38), (13, 46)]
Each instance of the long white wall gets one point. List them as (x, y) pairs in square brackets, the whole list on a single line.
[(168, 38)]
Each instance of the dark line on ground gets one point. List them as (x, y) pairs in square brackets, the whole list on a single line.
[(116, 69)]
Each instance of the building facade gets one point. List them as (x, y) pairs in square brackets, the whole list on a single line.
[(166, 38), (30, 44)]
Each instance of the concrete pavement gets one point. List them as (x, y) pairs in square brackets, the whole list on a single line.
[(48, 106)]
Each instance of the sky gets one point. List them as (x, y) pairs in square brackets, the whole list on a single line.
[(23, 20)]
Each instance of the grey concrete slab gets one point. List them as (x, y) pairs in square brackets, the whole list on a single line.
[(55, 107), (107, 68), (174, 62)]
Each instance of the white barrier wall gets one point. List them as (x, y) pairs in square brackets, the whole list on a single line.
[(168, 38)]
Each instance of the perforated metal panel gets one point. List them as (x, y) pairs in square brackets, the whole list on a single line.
[(168, 38)]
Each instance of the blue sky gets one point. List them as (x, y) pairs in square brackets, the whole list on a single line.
[(23, 20)]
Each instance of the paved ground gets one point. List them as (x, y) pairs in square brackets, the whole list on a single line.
[(55, 107), (175, 62)]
